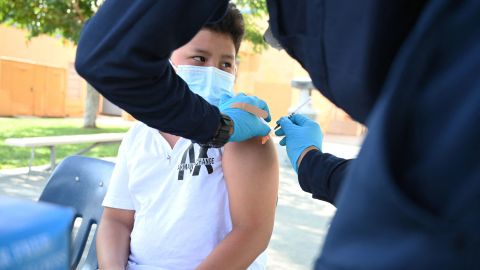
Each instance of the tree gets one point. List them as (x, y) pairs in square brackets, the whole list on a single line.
[(253, 11), (65, 19)]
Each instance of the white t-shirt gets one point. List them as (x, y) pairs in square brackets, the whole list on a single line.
[(179, 197)]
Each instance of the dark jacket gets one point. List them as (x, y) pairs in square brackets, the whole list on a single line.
[(348, 59), (410, 71)]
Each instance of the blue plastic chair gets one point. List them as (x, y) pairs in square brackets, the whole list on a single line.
[(80, 183)]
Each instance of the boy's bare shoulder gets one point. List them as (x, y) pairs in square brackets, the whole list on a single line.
[(253, 149)]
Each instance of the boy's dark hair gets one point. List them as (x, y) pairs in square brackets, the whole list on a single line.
[(231, 24)]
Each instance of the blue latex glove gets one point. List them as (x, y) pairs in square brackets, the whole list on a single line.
[(300, 133), (245, 124)]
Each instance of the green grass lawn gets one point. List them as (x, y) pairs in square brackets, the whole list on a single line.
[(13, 157)]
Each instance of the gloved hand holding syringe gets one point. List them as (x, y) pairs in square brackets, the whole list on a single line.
[(300, 135)]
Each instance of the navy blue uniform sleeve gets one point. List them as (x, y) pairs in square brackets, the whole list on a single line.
[(322, 174), (123, 52)]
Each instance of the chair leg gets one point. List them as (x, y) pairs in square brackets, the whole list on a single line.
[(30, 162), (52, 157)]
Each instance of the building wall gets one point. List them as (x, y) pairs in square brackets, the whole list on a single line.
[(49, 61), (43, 50)]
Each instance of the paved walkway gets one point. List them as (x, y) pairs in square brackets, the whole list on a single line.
[(301, 222)]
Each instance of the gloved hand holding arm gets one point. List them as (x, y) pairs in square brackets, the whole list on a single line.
[(319, 173), (245, 124)]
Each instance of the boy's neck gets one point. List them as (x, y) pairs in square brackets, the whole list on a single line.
[(170, 138)]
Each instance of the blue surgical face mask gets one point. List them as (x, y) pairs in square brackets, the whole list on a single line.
[(208, 82)]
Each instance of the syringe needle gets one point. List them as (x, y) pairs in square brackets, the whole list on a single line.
[(296, 110), (301, 106)]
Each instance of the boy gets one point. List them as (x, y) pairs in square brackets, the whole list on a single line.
[(174, 205)]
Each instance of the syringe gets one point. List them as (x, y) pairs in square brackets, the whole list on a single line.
[(295, 111)]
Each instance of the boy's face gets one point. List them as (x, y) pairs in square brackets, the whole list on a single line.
[(208, 49)]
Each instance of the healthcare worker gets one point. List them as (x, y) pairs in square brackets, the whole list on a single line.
[(408, 69)]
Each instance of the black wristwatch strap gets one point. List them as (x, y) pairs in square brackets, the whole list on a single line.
[(223, 133)]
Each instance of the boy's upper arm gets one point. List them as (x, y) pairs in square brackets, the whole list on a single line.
[(119, 216), (251, 174)]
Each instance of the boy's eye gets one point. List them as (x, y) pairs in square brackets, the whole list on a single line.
[(226, 65), (199, 59)]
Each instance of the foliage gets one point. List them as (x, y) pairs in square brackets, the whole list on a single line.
[(52, 17), (12, 157), (254, 11), (65, 18)]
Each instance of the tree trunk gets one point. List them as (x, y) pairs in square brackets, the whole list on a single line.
[(91, 107)]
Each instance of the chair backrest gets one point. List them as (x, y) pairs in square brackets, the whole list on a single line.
[(81, 183)]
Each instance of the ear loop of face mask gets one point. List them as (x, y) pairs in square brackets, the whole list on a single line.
[(172, 64)]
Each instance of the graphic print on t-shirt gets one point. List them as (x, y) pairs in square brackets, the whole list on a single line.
[(194, 165)]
